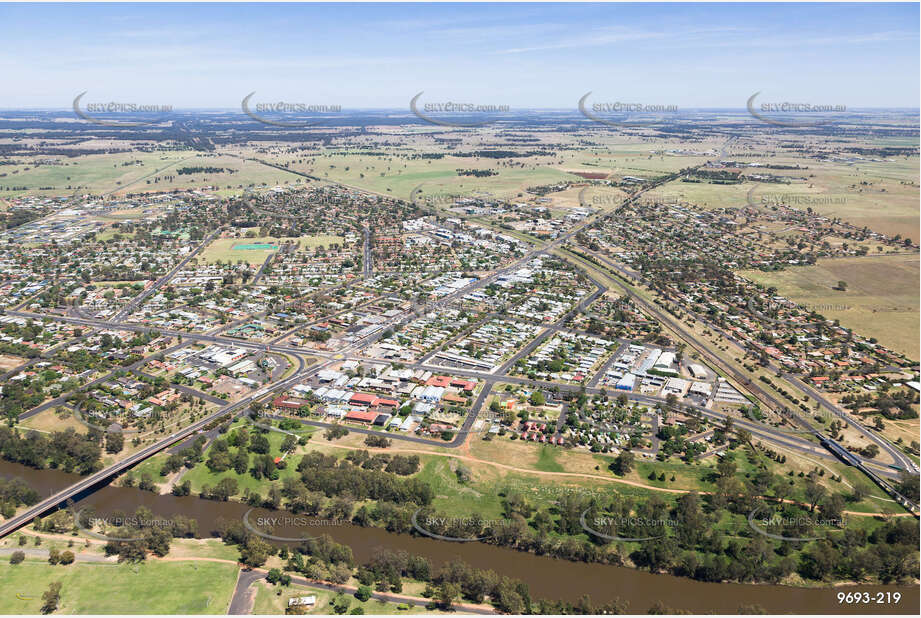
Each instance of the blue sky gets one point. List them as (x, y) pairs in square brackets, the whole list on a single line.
[(523, 55)]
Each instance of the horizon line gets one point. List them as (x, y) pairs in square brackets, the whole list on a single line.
[(407, 110)]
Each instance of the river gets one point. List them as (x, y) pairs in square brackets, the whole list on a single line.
[(546, 577)]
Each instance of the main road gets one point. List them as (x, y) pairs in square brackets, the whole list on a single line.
[(898, 457), (137, 300), (101, 476)]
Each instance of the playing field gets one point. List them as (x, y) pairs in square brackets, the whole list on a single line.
[(146, 588), (255, 250), (881, 300)]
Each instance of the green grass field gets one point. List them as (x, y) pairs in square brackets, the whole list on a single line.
[(881, 300), (146, 588), (397, 177), (140, 172), (200, 475), (247, 249), (546, 459), (453, 497)]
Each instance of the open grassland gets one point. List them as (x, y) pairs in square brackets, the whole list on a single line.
[(110, 234), (87, 173), (908, 430), (148, 588), (229, 174), (234, 249), (881, 300), (50, 420), (545, 473), (400, 178), (398, 174), (882, 196), (643, 160), (138, 172), (202, 548), (701, 194)]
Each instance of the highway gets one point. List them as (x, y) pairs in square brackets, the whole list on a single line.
[(488, 379), (898, 457), (763, 431), (878, 476)]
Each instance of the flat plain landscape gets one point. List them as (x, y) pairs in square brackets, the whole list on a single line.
[(881, 298)]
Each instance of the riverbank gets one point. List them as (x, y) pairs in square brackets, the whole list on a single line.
[(546, 577)]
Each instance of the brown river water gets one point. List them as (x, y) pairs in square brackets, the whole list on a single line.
[(546, 577)]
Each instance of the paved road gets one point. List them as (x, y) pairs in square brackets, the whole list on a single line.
[(265, 263), (760, 430), (44, 356), (182, 388), (488, 379), (599, 375), (57, 401), (243, 596), (897, 455), (366, 249), (242, 601), (93, 480), (137, 300)]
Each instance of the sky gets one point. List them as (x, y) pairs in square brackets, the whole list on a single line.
[(523, 55)]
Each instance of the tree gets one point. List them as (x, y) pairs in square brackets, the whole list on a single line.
[(67, 557), (833, 506), (446, 593), (289, 443), (183, 489), (17, 556), (819, 560), (335, 432), (259, 444), (537, 398), (623, 463), (254, 552), (158, 540), (377, 441), (146, 483), (115, 442), (51, 597), (363, 593), (726, 467), (341, 604), (240, 461), (908, 485), (223, 490), (814, 493), (127, 551), (860, 491)]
